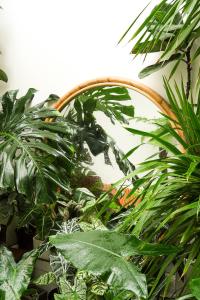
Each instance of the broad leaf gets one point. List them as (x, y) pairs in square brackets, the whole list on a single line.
[(107, 252), (32, 152), (83, 127), (14, 277), (195, 287)]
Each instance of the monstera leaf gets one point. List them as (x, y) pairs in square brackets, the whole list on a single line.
[(14, 278), (111, 100), (114, 102), (104, 252), (32, 151)]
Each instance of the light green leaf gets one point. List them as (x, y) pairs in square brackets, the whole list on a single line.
[(195, 287), (184, 33), (45, 279), (105, 252), (14, 277)]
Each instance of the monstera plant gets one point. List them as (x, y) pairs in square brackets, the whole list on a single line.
[(87, 135), (35, 155)]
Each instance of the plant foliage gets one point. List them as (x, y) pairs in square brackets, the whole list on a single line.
[(33, 152), (86, 133), (14, 277), (105, 252), (171, 27)]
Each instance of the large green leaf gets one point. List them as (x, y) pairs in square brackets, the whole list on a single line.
[(195, 287), (83, 126), (14, 278), (102, 252), (32, 153)]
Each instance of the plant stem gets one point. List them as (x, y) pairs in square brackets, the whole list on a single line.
[(189, 69)]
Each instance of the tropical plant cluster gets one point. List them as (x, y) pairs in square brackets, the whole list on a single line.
[(97, 248)]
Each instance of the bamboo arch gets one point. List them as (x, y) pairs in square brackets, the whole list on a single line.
[(150, 94)]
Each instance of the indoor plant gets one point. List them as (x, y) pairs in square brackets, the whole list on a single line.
[(171, 187), (35, 155), (169, 208)]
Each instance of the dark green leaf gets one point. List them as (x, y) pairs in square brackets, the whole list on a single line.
[(158, 66), (3, 76)]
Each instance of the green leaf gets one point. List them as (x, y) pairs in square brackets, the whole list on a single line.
[(196, 54), (24, 102), (132, 24), (157, 47), (158, 66), (62, 297), (127, 110), (45, 279), (185, 297), (195, 287), (99, 258), (106, 252), (3, 76), (184, 33), (14, 277), (31, 150), (162, 142)]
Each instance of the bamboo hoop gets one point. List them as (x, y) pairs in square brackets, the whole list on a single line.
[(142, 89)]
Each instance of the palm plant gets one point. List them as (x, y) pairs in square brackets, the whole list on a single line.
[(173, 28), (168, 212), (170, 190)]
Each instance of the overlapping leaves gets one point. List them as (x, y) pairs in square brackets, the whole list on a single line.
[(105, 252), (173, 28), (32, 151), (169, 210), (85, 130)]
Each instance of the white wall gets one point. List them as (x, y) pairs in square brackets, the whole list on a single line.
[(54, 45)]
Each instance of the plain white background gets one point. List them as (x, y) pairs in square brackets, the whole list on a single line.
[(53, 45)]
